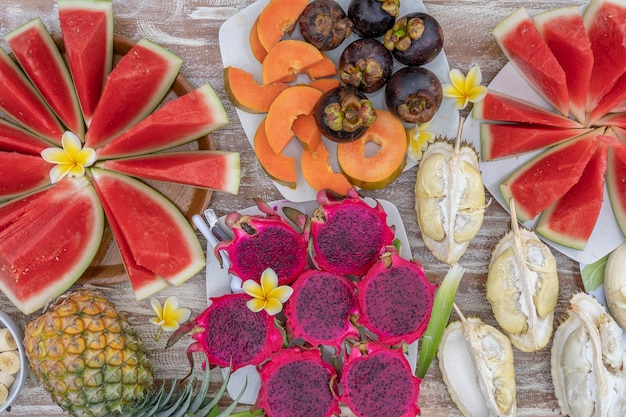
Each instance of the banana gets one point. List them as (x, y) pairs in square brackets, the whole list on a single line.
[(6, 379), (7, 342), (4, 393), (10, 362)]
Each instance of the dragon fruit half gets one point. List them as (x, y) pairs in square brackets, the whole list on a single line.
[(395, 299), (298, 383), (228, 329), (321, 308), (347, 234), (377, 381), (264, 241)]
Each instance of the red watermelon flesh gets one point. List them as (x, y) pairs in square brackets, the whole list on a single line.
[(522, 43), (21, 174), (613, 119), (161, 240), (616, 185), (134, 88), (39, 57), (571, 219), (564, 32), (609, 102), (15, 139), (502, 107), (216, 170), (538, 183), (87, 28), (178, 121), (605, 21), (47, 240), (20, 101), (506, 140)]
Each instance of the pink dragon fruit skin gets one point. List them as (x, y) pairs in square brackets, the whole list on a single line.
[(320, 309), (229, 328), (297, 383), (264, 241), (377, 381), (395, 299), (348, 235)]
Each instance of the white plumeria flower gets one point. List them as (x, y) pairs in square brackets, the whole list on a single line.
[(465, 89), (70, 160), (268, 296), (419, 139), (169, 316)]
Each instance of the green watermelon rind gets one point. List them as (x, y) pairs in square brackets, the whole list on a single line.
[(186, 233), (77, 124), (617, 199)]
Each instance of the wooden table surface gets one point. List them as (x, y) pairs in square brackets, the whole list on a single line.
[(190, 28)]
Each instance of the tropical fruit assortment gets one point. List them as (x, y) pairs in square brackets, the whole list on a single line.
[(564, 55), (83, 135)]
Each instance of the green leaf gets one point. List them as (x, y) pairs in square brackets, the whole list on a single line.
[(593, 274)]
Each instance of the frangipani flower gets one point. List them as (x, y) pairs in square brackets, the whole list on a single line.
[(268, 295), (419, 139), (169, 316), (465, 89), (71, 160)]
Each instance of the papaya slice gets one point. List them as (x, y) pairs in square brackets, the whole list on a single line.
[(248, 95), (287, 59), (374, 170), (306, 130), (281, 168), (257, 49), (319, 174), (324, 68), (278, 18), (291, 103), (325, 84)]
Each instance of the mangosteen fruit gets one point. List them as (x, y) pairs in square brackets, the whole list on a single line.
[(365, 64), (413, 94), (415, 39), (372, 18), (343, 114), (324, 24)]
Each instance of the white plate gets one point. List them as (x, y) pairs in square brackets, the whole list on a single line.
[(606, 235), (236, 52)]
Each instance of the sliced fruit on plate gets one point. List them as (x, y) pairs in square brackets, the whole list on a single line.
[(306, 131), (287, 59), (280, 167), (604, 21), (615, 174), (318, 172), (215, 170), (248, 95), (613, 119), (257, 49), (506, 140), (16, 139), (87, 28), (38, 55), (160, 238), (541, 181), (502, 107), (176, 122), (47, 239), (522, 43), (570, 220), (21, 174), (609, 103), (276, 19), (132, 90), (564, 32)]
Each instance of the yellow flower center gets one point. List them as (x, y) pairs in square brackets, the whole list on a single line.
[(268, 296), (70, 160)]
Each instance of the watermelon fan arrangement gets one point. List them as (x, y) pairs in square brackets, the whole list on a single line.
[(106, 130), (576, 61)]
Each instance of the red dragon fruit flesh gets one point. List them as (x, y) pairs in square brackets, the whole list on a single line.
[(264, 241), (377, 381), (395, 299), (298, 383), (348, 234), (321, 308), (229, 329)]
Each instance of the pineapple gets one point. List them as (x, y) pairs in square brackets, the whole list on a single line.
[(93, 363)]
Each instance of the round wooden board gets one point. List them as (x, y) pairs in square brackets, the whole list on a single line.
[(107, 267)]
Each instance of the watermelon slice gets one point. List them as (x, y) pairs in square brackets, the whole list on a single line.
[(20, 101), (502, 107), (506, 140), (15, 139), (87, 28), (538, 183), (134, 88), (604, 21), (215, 170), (159, 237), (570, 220), (47, 240), (39, 57), (178, 121), (613, 119), (21, 174), (610, 102), (523, 45), (616, 185), (563, 30)]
